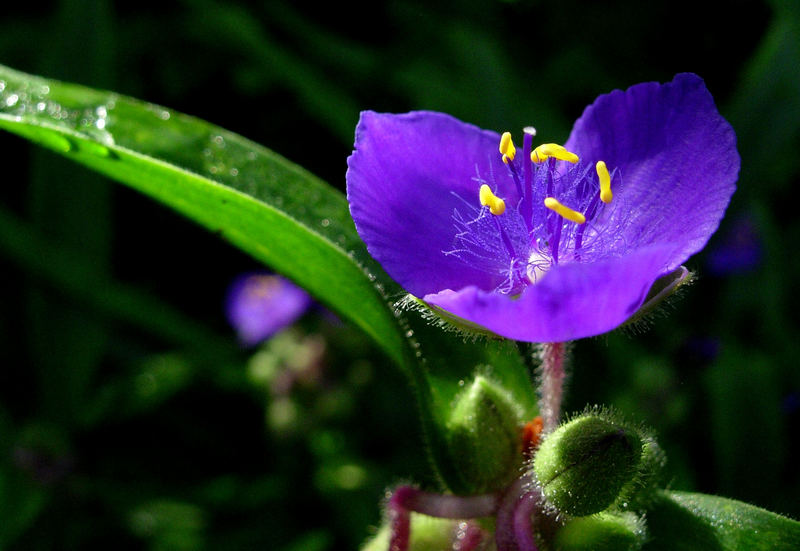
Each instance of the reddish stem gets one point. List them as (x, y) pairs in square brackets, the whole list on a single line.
[(468, 537), (504, 536), (551, 389), (406, 500), (523, 525)]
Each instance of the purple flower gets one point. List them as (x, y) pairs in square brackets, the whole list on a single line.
[(259, 305), (525, 245)]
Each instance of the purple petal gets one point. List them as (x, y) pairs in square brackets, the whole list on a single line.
[(401, 184), (571, 301), (260, 305), (676, 158)]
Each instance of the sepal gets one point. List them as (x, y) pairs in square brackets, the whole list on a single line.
[(662, 289)]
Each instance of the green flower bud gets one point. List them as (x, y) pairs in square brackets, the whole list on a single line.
[(427, 534), (601, 532), (484, 433), (590, 463)]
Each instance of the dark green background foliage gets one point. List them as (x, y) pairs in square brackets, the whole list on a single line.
[(128, 415)]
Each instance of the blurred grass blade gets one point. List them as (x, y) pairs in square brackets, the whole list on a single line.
[(72, 274), (266, 206)]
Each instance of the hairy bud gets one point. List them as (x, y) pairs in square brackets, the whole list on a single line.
[(484, 432), (592, 463)]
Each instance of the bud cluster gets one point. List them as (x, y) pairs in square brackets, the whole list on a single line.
[(595, 472)]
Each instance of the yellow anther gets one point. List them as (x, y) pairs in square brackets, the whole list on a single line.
[(507, 147), (566, 212), (605, 182), (554, 150), (489, 199)]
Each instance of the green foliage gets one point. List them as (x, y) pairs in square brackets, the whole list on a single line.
[(683, 521), (271, 209), (601, 532), (234, 187)]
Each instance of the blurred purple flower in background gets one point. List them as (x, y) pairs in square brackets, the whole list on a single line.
[(555, 244), (739, 248), (258, 305)]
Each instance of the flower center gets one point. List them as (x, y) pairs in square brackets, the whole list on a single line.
[(548, 208)]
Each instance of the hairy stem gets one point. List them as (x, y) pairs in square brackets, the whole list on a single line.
[(523, 525), (407, 499), (443, 506), (505, 536), (468, 537), (552, 356)]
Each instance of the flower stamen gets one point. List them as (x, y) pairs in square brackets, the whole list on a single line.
[(527, 195), (488, 199), (605, 182), (547, 150), (507, 147), (563, 211)]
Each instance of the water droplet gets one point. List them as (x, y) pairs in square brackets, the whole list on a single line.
[(96, 149), (461, 382), (55, 141), (251, 155), (12, 100), (325, 222), (409, 333)]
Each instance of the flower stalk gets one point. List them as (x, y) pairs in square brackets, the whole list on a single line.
[(551, 389)]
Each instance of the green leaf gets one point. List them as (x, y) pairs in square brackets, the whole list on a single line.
[(686, 521), (273, 210), (263, 204)]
